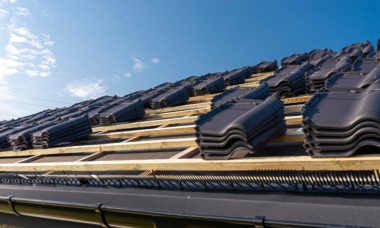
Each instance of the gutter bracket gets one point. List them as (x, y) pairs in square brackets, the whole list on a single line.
[(259, 222), (12, 204), (101, 216)]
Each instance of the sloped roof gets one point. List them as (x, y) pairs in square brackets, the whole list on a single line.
[(160, 151)]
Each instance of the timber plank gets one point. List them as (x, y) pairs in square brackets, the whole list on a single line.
[(152, 123), (188, 129), (178, 108), (177, 113), (124, 146), (362, 162)]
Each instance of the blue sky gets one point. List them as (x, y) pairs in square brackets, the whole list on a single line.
[(55, 53)]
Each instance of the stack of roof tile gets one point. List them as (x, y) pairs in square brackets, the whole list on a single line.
[(4, 133), (340, 62), (188, 83), (265, 66), (327, 68), (238, 76), (317, 56), (174, 96), (364, 73), (93, 107), (289, 80), (135, 95), (364, 65), (339, 123), (259, 93), (356, 50), (67, 131), (154, 92), (125, 111), (295, 59), (367, 49), (23, 140), (93, 111), (235, 129), (210, 84)]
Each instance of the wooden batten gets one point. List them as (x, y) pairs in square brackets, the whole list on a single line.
[(188, 129), (188, 153), (246, 84), (178, 108), (182, 113), (296, 100), (293, 120), (123, 146), (293, 108), (363, 162), (152, 123), (289, 137)]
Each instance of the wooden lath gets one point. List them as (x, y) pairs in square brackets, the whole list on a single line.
[(293, 108), (123, 146), (178, 108), (297, 100), (293, 120), (362, 162), (202, 98), (246, 84), (258, 77), (142, 124), (187, 153), (188, 129), (289, 137), (196, 111)]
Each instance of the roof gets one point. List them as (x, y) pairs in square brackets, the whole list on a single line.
[(159, 151)]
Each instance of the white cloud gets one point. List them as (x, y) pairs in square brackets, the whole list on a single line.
[(44, 74), (9, 67), (3, 13), (155, 60), (32, 73), (86, 89), (14, 38), (21, 11), (7, 1), (138, 65), (47, 40), (32, 52), (25, 51), (128, 75)]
